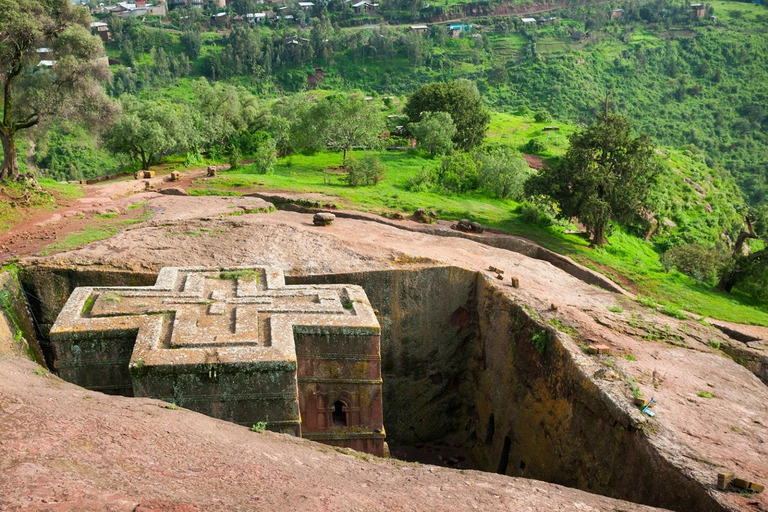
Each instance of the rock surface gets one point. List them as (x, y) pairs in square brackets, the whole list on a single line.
[(132, 454), (323, 219)]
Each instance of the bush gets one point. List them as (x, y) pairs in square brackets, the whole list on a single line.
[(265, 156), (534, 214), (699, 262), (422, 181), (542, 116), (458, 173), (366, 172), (234, 157), (534, 146), (502, 171)]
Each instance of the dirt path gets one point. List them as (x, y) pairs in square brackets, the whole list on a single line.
[(104, 204)]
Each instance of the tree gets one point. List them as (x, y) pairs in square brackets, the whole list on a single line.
[(150, 129), (605, 174), (265, 155), (502, 171), (191, 41), (68, 85), (461, 100), (225, 111), (434, 132), (341, 122), (749, 267)]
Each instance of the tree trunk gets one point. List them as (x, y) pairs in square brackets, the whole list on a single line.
[(598, 236), (729, 280), (344, 159), (10, 168)]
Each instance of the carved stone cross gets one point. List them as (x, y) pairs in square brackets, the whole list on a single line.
[(222, 341)]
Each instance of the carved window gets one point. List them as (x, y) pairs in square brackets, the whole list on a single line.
[(339, 414)]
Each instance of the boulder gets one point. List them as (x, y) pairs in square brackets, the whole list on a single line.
[(323, 219), (468, 226), (424, 216), (174, 191)]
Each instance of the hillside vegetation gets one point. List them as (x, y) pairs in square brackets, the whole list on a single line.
[(197, 95)]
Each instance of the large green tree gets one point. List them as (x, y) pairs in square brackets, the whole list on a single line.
[(64, 81), (150, 129), (605, 174), (342, 122), (461, 100)]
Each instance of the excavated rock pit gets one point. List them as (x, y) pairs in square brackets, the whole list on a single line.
[(478, 372), (472, 379)]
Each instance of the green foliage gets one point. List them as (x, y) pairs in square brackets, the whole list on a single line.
[(234, 157), (705, 394), (249, 275), (70, 87), (265, 156), (461, 100), (150, 129), (699, 262), (614, 309), (542, 116), (673, 311), (502, 171), (540, 341), (457, 173), (434, 132), (259, 427), (191, 42), (341, 122), (68, 152), (535, 214), (605, 174), (364, 172)]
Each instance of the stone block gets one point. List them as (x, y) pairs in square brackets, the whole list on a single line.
[(236, 344), (140, 175), (724, 480), (323, 219), (175, 175), (747, 485), (599, 349)]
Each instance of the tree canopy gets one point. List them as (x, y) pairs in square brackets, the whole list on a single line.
[(49, 66), (461, 100), (150, 129), (341, 122), (605, 174), (434, 132)]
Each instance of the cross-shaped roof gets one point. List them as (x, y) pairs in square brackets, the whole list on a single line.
[(222, 315)]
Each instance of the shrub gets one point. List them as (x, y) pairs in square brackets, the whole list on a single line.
[(366, 172), (542, 116), (699, 262), (502, 171), (534, 214), (234, 158), (533, 146), (422, 181), (265, 155), (457, 173)]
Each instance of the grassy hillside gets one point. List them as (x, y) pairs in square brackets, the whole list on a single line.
[(694, 204)]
